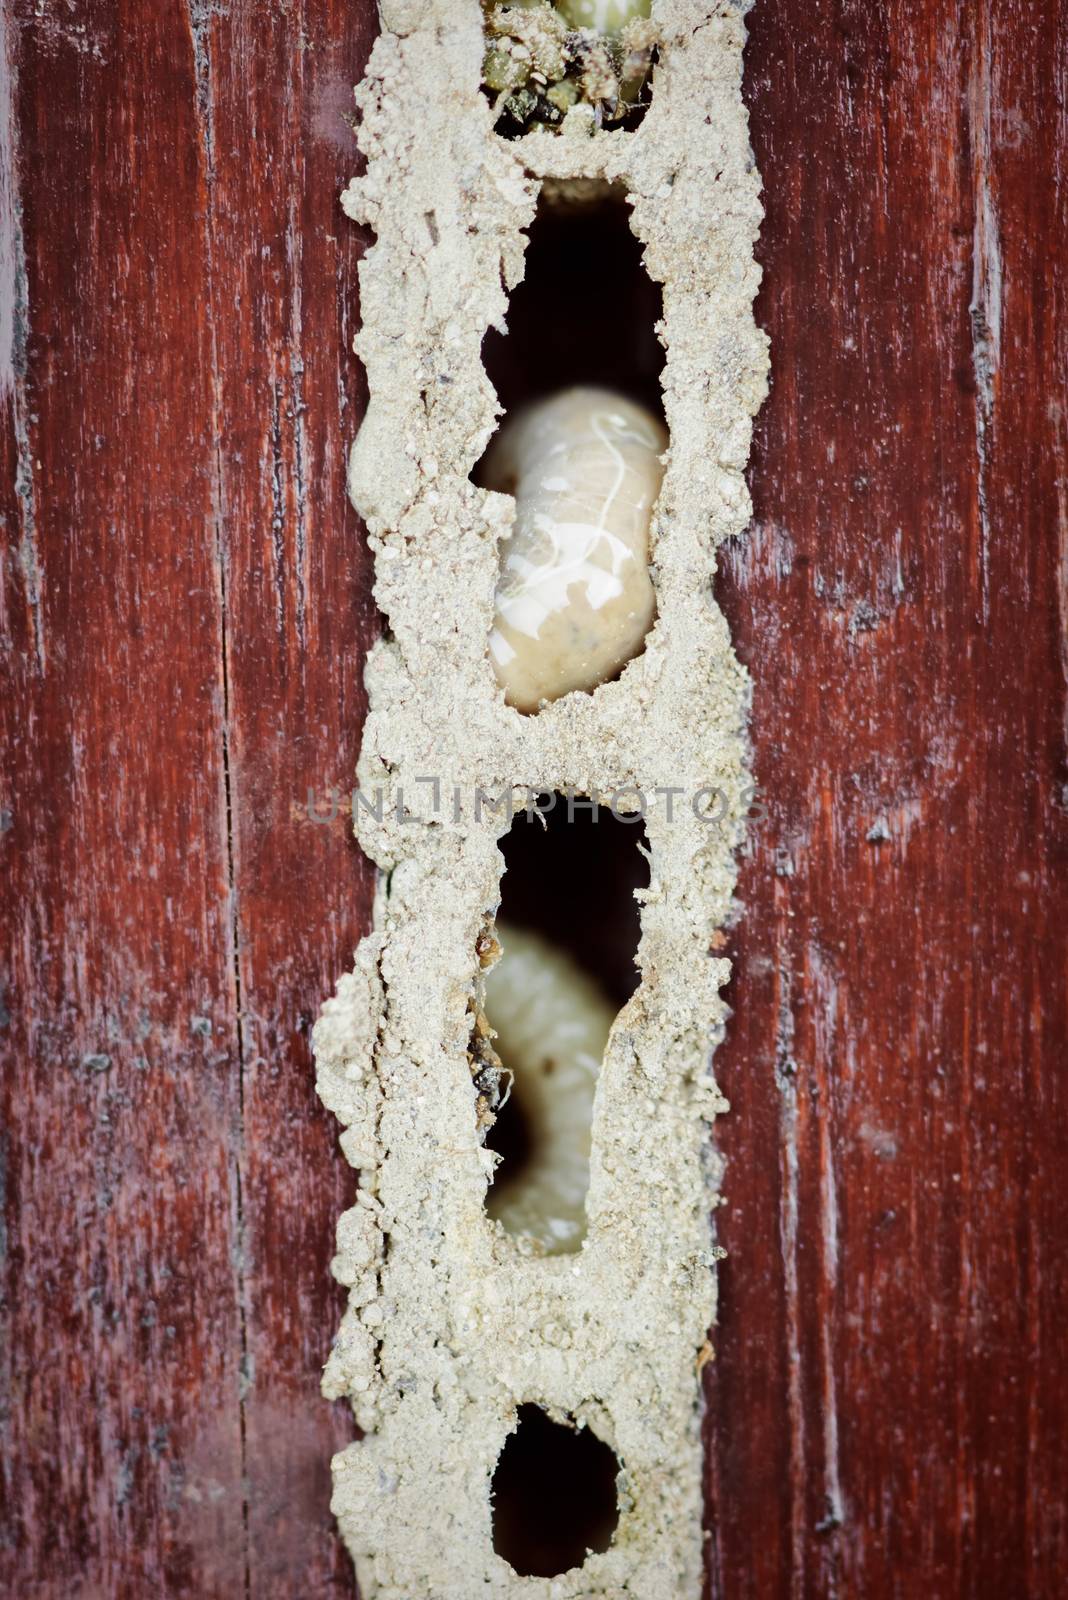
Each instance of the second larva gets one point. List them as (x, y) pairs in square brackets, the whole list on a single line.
[(552, 1024)]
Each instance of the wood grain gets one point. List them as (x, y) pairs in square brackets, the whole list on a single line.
[(186, 597), (276, 92), (186, 600), (887, 1410)]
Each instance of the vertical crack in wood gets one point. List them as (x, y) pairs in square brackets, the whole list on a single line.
[(984, 308), (200, 13), (1062, 591), (786, 1082), (825, 992), (300, 443), (15, 332)]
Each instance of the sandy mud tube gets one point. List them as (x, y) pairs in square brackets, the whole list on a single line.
[(455, 1328)]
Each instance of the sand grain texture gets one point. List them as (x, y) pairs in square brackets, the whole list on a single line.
[(449, 1329)]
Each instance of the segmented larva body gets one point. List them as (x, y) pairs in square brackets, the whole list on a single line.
[(552, 1024), (574, 599), (606, 16)]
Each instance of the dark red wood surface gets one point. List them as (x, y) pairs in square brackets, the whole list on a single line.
[(186, 599), (186, 595), (889, 1407)]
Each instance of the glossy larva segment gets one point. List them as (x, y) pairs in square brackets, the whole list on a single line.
[(552, 1024), (574, 598), (605, 16)]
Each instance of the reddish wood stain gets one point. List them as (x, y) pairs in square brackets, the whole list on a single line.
[(186, 594), (888, 1412), (186, 598)]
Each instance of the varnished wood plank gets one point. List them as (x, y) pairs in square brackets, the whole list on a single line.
[(277, 98), (185, 603), (122, 1468), (887, 1408)]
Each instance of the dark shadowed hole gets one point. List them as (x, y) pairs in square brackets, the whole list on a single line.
[(554, 1496), (573, 881), (585, 312), (512, 1137)]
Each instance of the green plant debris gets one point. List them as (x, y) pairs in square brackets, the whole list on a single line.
[(542, 59)]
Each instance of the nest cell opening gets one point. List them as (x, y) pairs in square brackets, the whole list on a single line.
[(554, 1496)]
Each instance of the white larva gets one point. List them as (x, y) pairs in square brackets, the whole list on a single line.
[(606, 16), (574, 598), (552, 1024)]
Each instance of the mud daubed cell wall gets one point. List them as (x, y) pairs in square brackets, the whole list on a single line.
[(450, 1329)]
